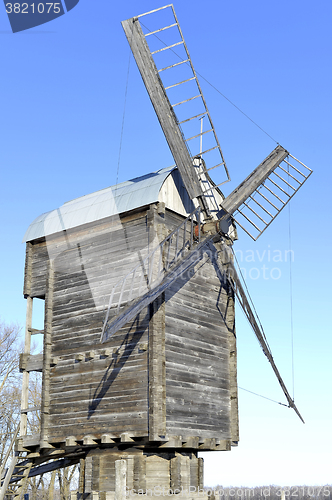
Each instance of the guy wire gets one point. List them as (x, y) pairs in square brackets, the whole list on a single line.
[(215, 88)]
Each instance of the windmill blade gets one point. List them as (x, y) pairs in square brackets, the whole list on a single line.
[(132, 310), (236, 284), (257, 201), (161, 99), (175, 255)]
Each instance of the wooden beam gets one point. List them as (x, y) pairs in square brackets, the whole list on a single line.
[(191, 442), (25, 442), (130, 312), (172, 442), (27, 269), (157, 370), (89, 440), (139, 472), (43, 469), (126, 438), (71, 441), (106, 352), (230, 323), (244, 303), (25, 381), (45, 411), (120, 479), (34, 362), (35, 331), (207, 444), (90, 355), (200, 473), (223, 444), (106, 439), (254, 180), (31, 362), (31, 408)]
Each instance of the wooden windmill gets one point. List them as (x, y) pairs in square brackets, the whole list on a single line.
[(139, 359)]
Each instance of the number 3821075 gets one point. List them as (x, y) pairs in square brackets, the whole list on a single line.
[(33, 8)]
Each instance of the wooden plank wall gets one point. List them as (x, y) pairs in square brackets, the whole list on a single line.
[(197, 353), (100, 389), (94, 388), (146, 471)]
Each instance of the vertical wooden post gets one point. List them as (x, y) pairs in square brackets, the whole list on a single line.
[(120, 479), (45, 403), (27, 270), (184, 462), (139, 479), (88, 474), (230, 323), (224, 257), (25, 381), (81, 481), (157, 370), (157, 361), (200, 473)]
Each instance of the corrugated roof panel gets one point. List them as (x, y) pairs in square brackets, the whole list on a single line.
[(99, 205)]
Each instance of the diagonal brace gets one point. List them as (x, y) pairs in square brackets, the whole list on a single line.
[(131, 311)]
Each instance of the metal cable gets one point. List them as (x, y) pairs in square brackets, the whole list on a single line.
[(250, 299), (264, 397), (123, 119), (291, 291)]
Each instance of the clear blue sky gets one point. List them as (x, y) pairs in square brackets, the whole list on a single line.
[(61, 108)]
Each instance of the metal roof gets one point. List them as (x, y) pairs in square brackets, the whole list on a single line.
[(107, 202)]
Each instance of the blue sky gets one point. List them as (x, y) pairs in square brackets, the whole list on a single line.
[(62, 104)]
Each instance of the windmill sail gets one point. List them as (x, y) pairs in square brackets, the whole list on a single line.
[(236, 284), (257, 201), (177, 126)]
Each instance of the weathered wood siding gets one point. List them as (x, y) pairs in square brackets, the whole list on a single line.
[(35, 269), (168, 372), (93, 390), (198, 399)]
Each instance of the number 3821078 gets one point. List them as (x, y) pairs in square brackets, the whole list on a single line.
[(33, 8)]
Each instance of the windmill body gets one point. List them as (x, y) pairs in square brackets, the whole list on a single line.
[(164, 385)]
